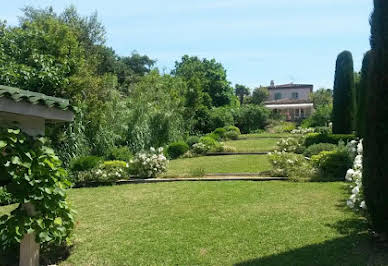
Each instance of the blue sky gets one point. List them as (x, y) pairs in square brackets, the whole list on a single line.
[(256, 40)]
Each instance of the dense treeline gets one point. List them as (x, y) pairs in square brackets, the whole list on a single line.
[(122, 100)]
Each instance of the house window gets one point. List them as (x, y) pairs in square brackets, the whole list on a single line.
[(278, 96), (295, 95), (302, 113)]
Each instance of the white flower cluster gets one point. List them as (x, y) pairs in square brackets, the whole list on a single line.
[(150, 164), (109, 174), (356, 200), (289, 144), (303, 131), (200, 148)]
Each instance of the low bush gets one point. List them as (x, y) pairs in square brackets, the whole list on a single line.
[(276, 126), (85, 163), (233, 128), (332, 165), (192, 140), (318, 148), (291, 145), (316, 138), (220, 132), (120, 153), (289, 164), (233, 135), (208, 141), (5, 197), (200, 148), (149, 164), (177, 149), (107, 172)]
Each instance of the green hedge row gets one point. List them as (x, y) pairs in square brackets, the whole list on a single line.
[(316, 138)]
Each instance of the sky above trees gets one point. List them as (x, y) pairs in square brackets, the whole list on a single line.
[(256, 40)]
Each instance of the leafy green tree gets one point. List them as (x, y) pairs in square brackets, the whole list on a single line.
[(241, 91), (40, 56), (343, 103), (322, 97), (375, 167), (212, 76), (259, 95), (362, 95)]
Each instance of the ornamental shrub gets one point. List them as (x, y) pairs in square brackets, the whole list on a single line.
[(208, 141), (233, 135), (35, 178), (192, 140), (220, 132), (316, 138), (85, 163), (289, 164), (318, 148), (149, 164), (332, 165), (291, 145), (233, 128), (200, 148), (177, 149)]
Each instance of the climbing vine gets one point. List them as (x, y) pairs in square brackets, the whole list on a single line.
[(34, 177)]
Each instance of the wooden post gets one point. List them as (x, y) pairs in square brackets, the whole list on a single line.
[(29, 249)]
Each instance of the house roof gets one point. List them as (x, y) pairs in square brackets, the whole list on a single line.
[(291, 86), (35, 98)]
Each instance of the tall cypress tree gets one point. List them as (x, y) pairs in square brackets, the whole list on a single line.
[(343, 102), (375, 173), (362, 89)]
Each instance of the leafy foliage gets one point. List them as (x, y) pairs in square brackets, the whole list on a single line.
[(259, 95), (332, 165), (318, 148), (251, 117), (177, 149), (375, 179), (35, 178), (85, 163), (316, 138)]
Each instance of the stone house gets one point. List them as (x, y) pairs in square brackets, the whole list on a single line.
[(291, 100)]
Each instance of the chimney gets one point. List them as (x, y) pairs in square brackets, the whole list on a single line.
[(272, 83)]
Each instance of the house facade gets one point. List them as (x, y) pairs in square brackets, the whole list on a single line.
[(291, 100)]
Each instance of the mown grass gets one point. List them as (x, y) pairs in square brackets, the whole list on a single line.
[(253, 144), (266, 135), (218, 164), (218, 223)]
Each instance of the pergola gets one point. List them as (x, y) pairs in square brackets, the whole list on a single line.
[(30, 111)]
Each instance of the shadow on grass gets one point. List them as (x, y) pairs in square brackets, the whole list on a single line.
[(349, 250), (355, 248), (51, 255)]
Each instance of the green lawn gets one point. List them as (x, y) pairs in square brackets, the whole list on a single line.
[(267, 135), (253, 144), (219, 164), (218, 223)]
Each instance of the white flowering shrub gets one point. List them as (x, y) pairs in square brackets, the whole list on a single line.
[(200, 148), (109, 171), (290, 165), (303, 131), (354, 175), (291, 145), (149, 164)]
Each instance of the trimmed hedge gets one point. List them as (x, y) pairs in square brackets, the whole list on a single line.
[(176, 149), (318, 148), (316, 138), (332, 165)]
